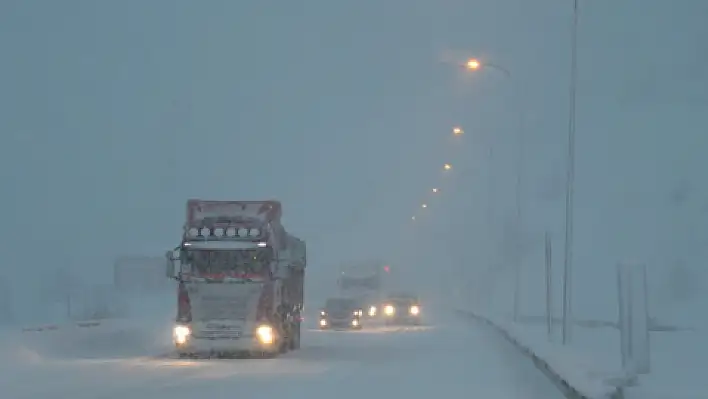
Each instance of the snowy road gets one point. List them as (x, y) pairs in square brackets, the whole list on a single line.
[(450, 358)]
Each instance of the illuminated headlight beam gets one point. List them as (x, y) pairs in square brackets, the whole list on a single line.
[(389, 310), (265, 334), (181, 334)]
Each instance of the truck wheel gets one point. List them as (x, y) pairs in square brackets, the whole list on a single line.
[(295, 339), (284, 345)]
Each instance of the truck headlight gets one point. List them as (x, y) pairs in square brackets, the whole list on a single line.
[(389, 310), (414, 310), (358, 312), (372, 311), (265, 334), (181, 334), (323, 322), (355, 322)]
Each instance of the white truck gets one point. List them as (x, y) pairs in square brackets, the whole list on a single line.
[(240, 281), (363, 281)]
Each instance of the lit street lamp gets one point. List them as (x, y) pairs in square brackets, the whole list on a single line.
[(457, 131), (474, 64), (447, 166), (424, 206), (435, 190)]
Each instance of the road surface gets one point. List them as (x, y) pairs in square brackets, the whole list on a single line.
[(127, 360)]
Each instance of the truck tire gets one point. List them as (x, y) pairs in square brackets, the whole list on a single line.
[(295, 339), (284, 345)]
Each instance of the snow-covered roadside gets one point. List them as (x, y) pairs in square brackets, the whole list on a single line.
[(145, 325), (136, 309), (678, 358), (579, 376), (592, 363)]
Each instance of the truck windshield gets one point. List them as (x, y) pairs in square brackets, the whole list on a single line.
[(403, 300), (238, 262), (366, 283), (340, 304)]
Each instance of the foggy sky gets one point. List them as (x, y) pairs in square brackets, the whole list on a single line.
[(114, 113)]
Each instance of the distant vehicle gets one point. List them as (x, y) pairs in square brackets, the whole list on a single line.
[(363, 281), (341, 313), (402, 309)]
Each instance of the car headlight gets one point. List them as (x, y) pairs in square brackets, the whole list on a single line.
[(355, 322), (372, 311), (323, 322), (358, 312), (414, 310), (389, 310), (181, 334), (265, 334)]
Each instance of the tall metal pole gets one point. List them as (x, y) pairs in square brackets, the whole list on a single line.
[(518, 244), (517, 251), (490, 203), (519, 167), (549, 285), (570, 180)]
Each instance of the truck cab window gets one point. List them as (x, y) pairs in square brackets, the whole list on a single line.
[(205, 262)]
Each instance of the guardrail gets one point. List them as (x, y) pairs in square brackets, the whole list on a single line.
[(653, 325), (567, 388), (55, 327)]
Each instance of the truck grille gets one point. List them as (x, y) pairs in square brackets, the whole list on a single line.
[(221, 332)]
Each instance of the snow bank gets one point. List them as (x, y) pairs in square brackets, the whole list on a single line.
[(94, 339), (678, 358), (592, 364), (70, 325), (577, 376), (146, 331)]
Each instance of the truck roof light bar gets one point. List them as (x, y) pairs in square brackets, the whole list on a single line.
[(219, 232)]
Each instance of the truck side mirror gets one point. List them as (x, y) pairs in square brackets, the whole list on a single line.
[(173, 263)]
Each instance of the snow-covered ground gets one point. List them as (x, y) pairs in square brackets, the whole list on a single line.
[(125, 358), (592, 358)]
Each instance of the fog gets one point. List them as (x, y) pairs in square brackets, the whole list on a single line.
[(114, 113)]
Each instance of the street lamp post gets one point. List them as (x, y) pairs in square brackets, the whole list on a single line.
[(473, 65), (569, 186)]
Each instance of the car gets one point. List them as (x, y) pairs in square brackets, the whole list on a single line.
[(341, 313), (372, 310), (370, 306), (402, 309)]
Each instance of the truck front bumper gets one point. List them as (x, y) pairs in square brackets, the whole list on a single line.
[(258, 342)]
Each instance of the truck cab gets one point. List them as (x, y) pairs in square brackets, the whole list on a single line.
[(238, 293), (362, 281)]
